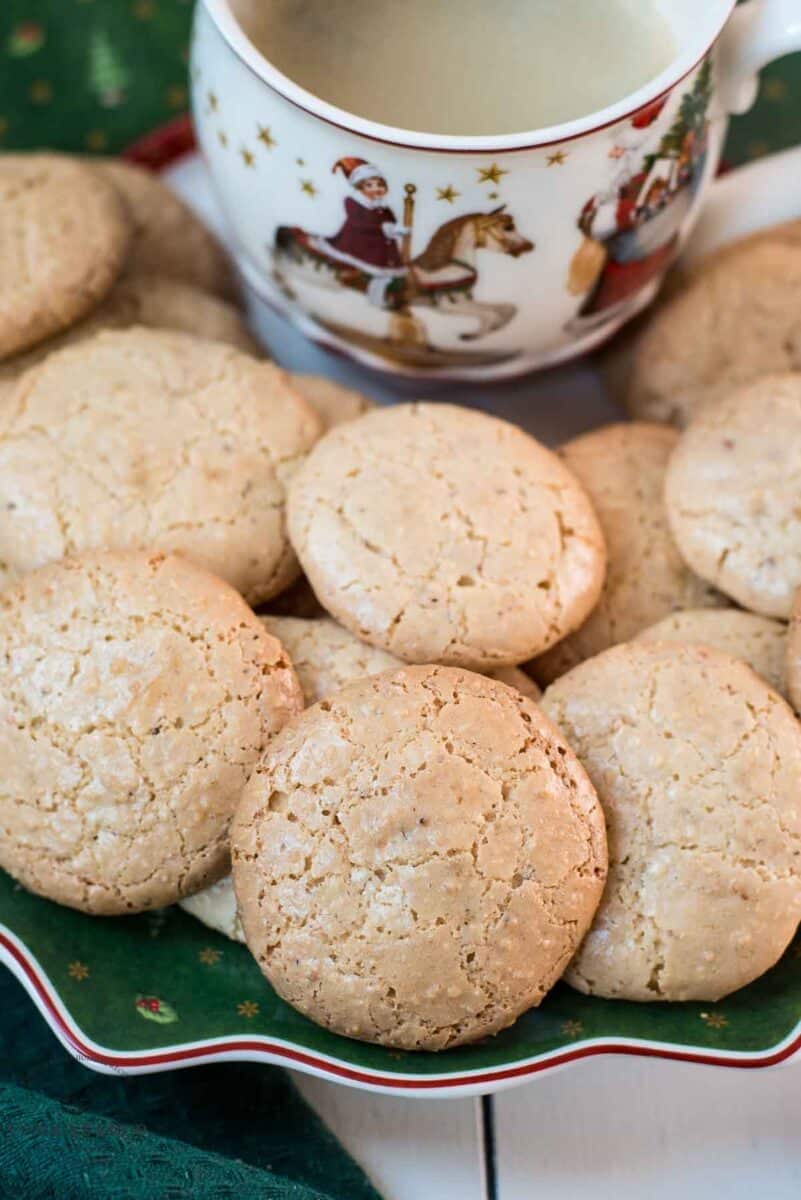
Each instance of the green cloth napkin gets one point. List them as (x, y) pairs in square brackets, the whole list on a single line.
[(237, 1130)]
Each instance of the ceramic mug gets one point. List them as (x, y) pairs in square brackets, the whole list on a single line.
[(471, 257)]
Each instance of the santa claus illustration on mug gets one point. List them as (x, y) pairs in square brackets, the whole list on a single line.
[(631, 229), (370, 237)]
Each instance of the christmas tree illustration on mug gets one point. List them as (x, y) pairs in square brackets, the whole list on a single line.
[(631, 229), (371, 253)]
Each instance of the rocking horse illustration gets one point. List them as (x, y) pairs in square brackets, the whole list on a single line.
[(372, 254)]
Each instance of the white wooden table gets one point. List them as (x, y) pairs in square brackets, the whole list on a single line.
[(607, 1128)]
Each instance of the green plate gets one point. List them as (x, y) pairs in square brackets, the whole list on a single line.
[(159, 991)]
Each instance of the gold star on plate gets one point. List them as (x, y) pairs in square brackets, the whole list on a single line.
[(209, 956), (96, 139), (493, 195), (714, 1020), (176, 96), (213, 101), (308, 187), (266, 137), (301, 162), (222, 137), (572, 1028), (78, 971), (775, 90), (247, 1009), (557, 159), (448, 194), (40, 91), (247, 156), (491, 174)]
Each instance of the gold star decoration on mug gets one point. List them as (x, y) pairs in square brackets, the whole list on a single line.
[(490, 174), (449, 194)]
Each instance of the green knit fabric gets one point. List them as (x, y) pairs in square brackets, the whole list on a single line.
[(236, 1130)]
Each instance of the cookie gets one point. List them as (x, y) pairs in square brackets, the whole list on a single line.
[(136, 694), (732, 494), (332, 402), (792, 666), (696, 762), (623, 468), (326, 658), (417, 857), (615, 360), (150, 300), (145, 439), (515, 678), (736, 320), (168, 239), (758, 641), (64, 235), (441, 534)]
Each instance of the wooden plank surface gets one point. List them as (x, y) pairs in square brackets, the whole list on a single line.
[(627, 1129), (412, 1149)]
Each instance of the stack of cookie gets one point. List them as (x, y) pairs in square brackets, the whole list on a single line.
[(418, 839)]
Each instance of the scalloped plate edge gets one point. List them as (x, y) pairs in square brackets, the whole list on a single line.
[(15, 955)]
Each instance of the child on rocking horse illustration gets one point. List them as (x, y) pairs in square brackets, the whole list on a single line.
[(369, 239), (371, 254)]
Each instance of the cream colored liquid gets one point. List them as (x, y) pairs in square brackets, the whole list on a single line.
[(463, 66)]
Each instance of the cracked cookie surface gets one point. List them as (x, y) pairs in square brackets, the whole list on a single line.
[(63, 237), (445, 535), (736, 319), (150, 300), (326, 658), (146, 439), (417, 857), (136, 694), (696, 762), (759, 641), (168, 238), (732, 493), (623, 469)]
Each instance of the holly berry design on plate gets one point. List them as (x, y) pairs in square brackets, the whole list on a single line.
[(154, 1009), (25, 39)]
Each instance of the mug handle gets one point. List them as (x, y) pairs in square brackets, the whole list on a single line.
[(757, 33)]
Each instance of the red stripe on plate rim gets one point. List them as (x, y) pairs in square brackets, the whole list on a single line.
[(245, 1046)]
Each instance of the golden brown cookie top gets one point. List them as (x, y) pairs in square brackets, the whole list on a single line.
[(168, 238), (417, 857), (623, 469), (147, 439), (696, 762), (441, 534), (758, 641), (136, 694), (150, 300), (736, 319), (64, 234), (732, 493)]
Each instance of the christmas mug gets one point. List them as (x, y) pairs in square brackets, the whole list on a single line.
[(471, 257)]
